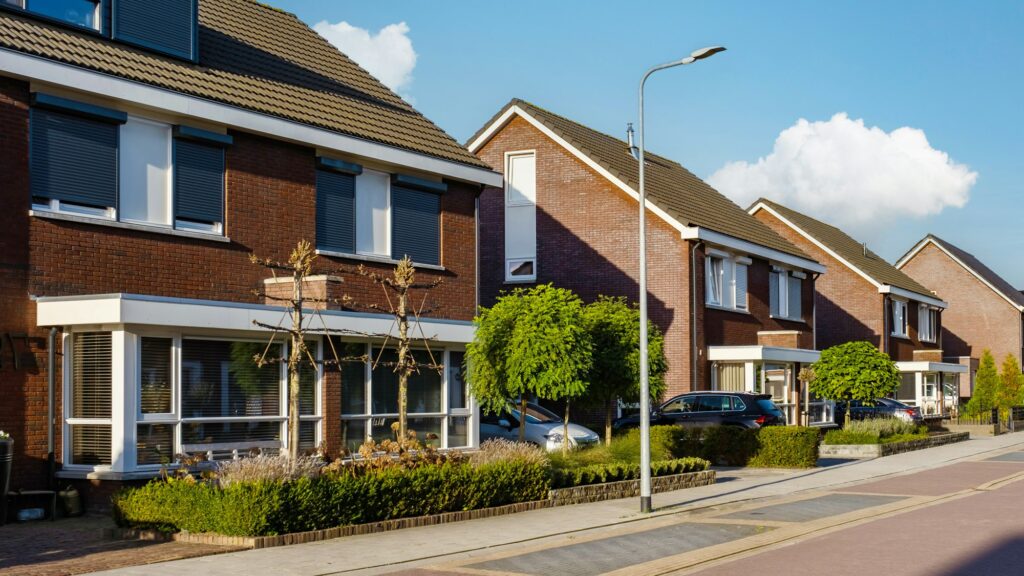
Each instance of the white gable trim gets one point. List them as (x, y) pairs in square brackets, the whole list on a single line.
[(920, 246), (516, 110), (770, 254), (72, 77), (901, 293)]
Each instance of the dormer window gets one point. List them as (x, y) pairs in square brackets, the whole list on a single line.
[(85, 13)]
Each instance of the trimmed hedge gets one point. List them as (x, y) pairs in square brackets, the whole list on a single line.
[(786, 447), (266, 508), (618, 471), (768, 447)]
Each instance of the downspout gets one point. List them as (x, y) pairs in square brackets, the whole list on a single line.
[(693, 309), (814, 310), (51, 382), (885, 325)]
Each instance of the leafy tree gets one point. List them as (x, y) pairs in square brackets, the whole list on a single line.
[(532, 341), (986, 385), (854, 371), (1011, 385), (614, 327)]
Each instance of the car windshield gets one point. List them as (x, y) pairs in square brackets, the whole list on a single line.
[(537, 415)]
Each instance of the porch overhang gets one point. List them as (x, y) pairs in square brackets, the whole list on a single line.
[(931, 367), (762, 353), (187, 313)]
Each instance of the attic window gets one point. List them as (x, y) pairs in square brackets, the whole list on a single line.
[(83, 13)]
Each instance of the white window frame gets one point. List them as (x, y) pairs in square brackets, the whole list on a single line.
[(728, 297), (927, 319), (901, 330), (784, 278), (116, 375), (121, 191), (511, 263)]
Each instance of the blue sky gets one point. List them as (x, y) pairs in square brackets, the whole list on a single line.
[(953, 70)]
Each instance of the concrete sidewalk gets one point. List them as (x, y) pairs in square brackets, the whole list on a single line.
[(375, 552)]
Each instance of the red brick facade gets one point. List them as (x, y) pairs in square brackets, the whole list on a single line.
[(270, 206), (849, 307), (587, 242), (978, 318)]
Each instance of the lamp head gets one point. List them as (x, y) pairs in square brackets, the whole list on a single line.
[(706, 52)]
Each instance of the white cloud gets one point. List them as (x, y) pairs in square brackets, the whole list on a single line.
[(854, 176), (388, 54)]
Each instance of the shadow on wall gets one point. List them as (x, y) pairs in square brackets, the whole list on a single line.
[(840, 325), (953, 345)]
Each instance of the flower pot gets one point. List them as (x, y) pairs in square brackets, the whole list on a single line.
[(6, 455)]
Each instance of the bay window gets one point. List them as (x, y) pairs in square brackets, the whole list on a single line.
[(89, 410), (785, 293), (725, 280)]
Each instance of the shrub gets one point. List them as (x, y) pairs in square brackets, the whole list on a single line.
[(728, 445), (876, 431), (667, 442), (275, 468), (616, 471), (498, 449), (264, 507), (786, 447)]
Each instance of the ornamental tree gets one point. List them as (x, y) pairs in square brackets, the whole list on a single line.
[(1011, 385), (854, 371), (986, 384), (614, 328), (531, 342)]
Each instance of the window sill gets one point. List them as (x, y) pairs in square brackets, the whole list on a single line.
[(521, 280), (901, 337), (127, 225), (89, 474), (800, 320), (377, 259), (724, 309)]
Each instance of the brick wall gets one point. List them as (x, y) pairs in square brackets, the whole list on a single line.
[(977, 317), (270, 206)]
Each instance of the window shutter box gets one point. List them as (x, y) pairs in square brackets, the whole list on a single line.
[(328, 163), (335, 211), (73, 158), (198, 181), (167, 26), (412, 182), (415, 225)]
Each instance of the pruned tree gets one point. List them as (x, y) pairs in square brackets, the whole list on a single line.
[(299, 266), (532, 341), (614, 328), (986, 385), (1011, 385), (854, 371)]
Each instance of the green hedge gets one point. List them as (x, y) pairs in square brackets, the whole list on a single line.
[(267, 508), (617, 471), (768, 447)]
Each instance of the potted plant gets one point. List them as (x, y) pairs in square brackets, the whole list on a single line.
[(6, 455)]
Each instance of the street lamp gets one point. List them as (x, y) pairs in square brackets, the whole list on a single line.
[(645, 386)]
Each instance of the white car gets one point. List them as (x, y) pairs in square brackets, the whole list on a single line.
[(543, 428)]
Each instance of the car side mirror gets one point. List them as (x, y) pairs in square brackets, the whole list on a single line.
[(504, 423)]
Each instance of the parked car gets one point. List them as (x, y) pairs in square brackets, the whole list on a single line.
[(712, 408), (880, 408), (543, 428)]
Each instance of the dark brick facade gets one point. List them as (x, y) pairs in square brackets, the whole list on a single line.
[(587, 242), (270, 206)]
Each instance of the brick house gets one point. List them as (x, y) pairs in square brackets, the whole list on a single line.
[(733, 298), (863, 297), (985, 311), (141, 166)]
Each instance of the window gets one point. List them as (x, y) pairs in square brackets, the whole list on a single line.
[(785, 289), (416, 225), (927, 323), (725, 278), (439, 410), (134, 22), (899, 318), (520, 217), (99, 162), (89, 410), (83, 13)]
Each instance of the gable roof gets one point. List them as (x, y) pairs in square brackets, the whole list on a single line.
[(670, 187), (254, 57), (982, 272), (847, 249)]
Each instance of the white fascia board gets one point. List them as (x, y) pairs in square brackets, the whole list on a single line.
[(931, 367), (901, 293), (516, 110), (712, 237), (762, 206), (762, 354), (185, 313), (75, 78), (920, 246)]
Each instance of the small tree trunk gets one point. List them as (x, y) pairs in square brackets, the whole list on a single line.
[(608, 411), (565, 429), (403, 368), (522, 418), (294, 362), (846, 421)]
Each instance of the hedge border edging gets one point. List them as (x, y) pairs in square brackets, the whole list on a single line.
[(880, 450), (559, 497)]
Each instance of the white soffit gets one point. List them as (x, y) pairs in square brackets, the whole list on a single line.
[(184, 313), (762, 354), (889, 289), (931, 367), (75, 78)]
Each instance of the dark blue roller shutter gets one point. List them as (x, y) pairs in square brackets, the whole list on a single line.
[(167, 26), (415, 225), (335, 211), (198, 182), (73, 159)]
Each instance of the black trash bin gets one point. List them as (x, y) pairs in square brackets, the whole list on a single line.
[(6, 456)]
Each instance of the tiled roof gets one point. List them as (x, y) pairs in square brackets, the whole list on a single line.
[(979, 269), (849, 249), (258, 58), (672, 188)]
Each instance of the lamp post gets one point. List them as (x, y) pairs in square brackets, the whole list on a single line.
[(645, 386)]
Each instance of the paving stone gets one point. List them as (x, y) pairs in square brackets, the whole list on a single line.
[(814, 508), (1008, 457)]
